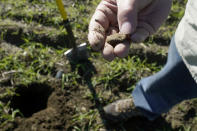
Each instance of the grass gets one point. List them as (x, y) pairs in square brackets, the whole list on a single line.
[(41, 23)]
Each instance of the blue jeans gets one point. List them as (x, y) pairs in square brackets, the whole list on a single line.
[(158, 93)]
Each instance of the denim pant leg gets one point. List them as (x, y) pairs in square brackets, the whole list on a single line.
[(156, 94)]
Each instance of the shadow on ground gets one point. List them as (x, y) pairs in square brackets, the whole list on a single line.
[(86, 71)]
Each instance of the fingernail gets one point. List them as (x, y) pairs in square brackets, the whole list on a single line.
[(126, 28), (108, 52)]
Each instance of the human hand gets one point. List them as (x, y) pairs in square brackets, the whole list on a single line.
[(138, 18)]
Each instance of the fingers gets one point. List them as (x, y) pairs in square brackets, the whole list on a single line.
[(143, 30), (137, 17), (155, 13), (150, 19), (96, 36), (127, 21), (99, 24), (105, 15), (112, 30), (140, 35), (122, 50), (127, 15), (108, 52)]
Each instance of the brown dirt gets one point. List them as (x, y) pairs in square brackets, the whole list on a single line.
[(117, 38), (45, 107)]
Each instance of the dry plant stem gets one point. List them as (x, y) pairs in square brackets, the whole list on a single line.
[(117, 38)]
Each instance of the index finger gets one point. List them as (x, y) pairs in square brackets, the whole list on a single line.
[(103, 17)]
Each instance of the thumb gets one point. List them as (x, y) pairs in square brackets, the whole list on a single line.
[(127, 15)]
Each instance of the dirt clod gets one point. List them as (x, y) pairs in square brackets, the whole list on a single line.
[(117, 38)]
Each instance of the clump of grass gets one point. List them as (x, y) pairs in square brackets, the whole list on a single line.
[(86, 121), (132, 68), (7, 114), (35, 60)]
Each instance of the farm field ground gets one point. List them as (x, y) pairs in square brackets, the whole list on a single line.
[(32, 43)]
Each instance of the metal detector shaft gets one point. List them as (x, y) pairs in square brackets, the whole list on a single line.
[(72, 42), (70, 34)]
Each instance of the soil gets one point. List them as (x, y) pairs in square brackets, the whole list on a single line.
[(117, 38), (48, 107), (45, 107)]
